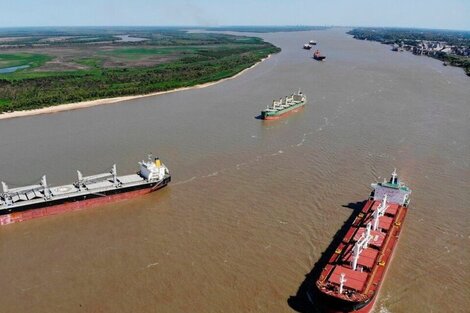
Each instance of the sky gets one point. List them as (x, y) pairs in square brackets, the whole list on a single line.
[(441, 14)]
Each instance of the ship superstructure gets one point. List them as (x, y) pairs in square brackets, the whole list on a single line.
[(318, 56), (284, 106), (354, 273), (24, 203)]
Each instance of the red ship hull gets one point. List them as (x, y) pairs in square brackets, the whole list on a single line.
[(26, 215), (367, 283)]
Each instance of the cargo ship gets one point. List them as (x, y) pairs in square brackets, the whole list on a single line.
[(351, 279), (318, 56), (284, 106), (25, 203)]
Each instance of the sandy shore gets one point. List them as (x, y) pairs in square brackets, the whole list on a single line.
[(86, 104)]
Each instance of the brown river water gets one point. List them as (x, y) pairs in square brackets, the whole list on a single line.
[(253, 204)]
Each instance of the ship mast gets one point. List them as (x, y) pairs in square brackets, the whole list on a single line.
[(114, 173), (47, 192), (80, 180), (380, 211), (394, 179), (342, 280), (4, 187), (6, 194), (360, 245)]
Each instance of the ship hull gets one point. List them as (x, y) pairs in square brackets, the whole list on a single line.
[(319, 58), (361, 307), (281, 114), (79, 203), (332, 304), (331, 307)]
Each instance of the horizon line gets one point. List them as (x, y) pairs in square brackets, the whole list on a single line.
[(242, 25)]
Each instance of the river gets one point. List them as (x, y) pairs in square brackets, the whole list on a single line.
[(253, 204)]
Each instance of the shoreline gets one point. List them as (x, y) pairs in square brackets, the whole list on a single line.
[(91, 103)]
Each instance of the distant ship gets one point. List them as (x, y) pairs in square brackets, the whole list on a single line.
[(284, 106), (312, 42), (318, 56), (351, 279), (307, 46), (25, 203)]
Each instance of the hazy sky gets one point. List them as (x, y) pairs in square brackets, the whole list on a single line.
[(449, 14)]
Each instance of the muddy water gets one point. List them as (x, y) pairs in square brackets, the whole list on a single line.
[(253, 204)]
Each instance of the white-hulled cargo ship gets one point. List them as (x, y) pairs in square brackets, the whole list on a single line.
[(284, 106), (25, 203)]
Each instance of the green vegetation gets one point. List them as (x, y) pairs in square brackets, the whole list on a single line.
[(137, 53), (266, 29), (458, 41), (92, 62), (4, 102), (456, 60), (19, 59), (410, 35), (168, 60), (27, 37)]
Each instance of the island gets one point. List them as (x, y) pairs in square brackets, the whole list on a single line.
[(42, 67), (450, 46)]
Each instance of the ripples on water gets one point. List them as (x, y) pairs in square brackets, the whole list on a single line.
[(253, 204)]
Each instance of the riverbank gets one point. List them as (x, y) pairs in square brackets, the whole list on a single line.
[(91, 103), (451, 47), (78, 72), (281, 189)]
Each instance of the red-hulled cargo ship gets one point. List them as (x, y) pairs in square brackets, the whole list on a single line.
[(25, 203), (351, 279)]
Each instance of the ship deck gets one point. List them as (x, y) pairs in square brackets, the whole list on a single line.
[(355, 280), (362, 283), (284, 108), (96, 184)]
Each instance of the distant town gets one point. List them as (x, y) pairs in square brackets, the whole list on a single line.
[(451, 47)]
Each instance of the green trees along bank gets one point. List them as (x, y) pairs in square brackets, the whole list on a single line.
[(127, 69)]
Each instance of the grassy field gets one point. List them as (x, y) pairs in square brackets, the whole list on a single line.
[(267, 29), (66, 71), (19, 59)]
